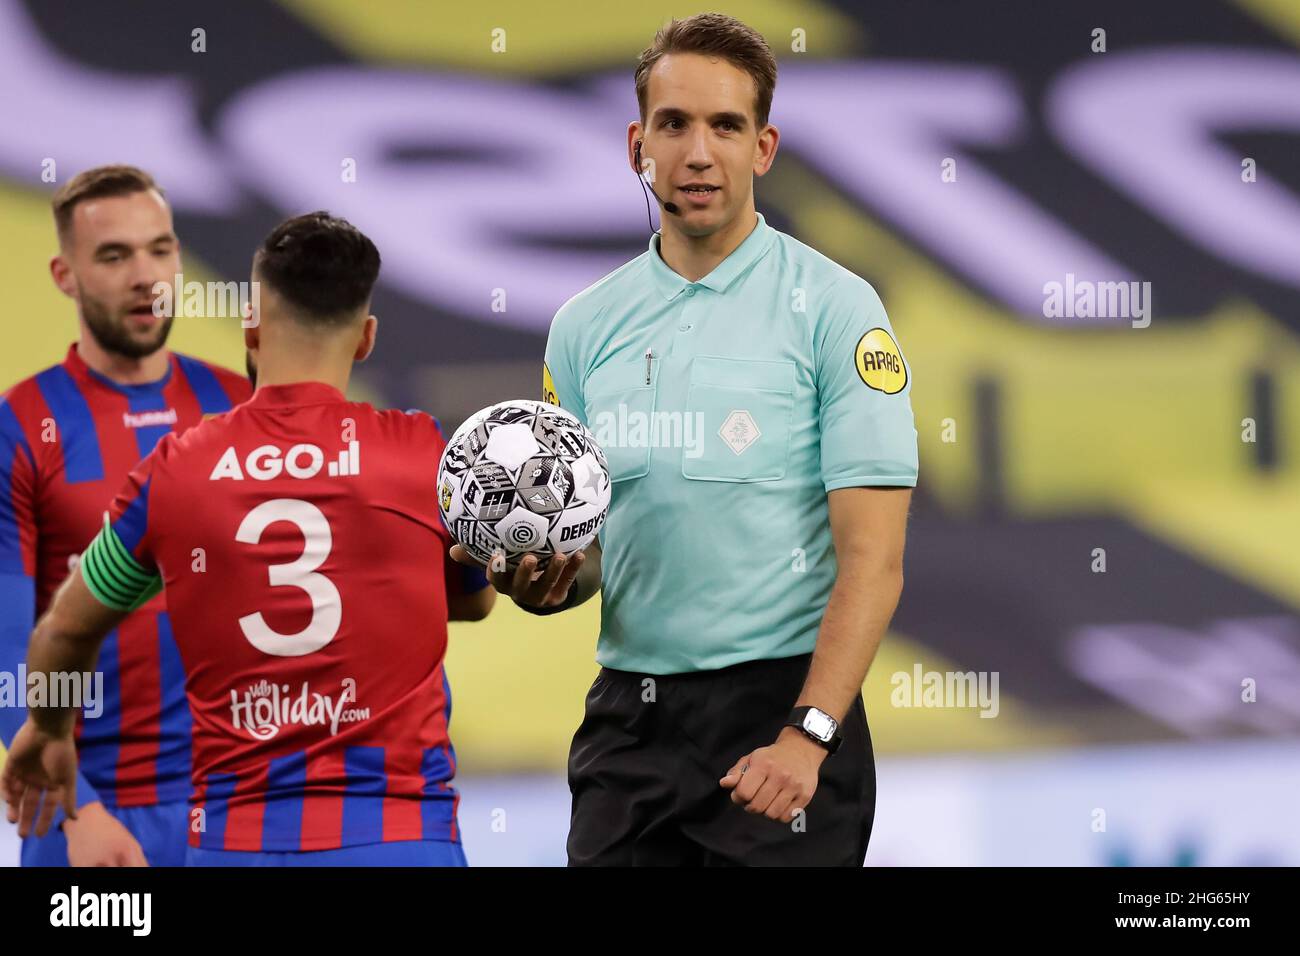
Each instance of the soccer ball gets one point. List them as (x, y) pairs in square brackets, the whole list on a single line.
[(523, 477)]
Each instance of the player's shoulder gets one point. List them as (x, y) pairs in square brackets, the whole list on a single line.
[(11, 426), (410, 421), (167, 458), (25, 400), (597, 298), (236, 386), (215, 431), (399, 424), (31, 385)]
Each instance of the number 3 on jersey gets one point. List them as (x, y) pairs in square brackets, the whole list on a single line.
[(326, 605)]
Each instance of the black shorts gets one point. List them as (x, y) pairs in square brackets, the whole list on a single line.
[(645, 764)]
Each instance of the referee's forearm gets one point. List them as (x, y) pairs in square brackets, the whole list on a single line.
[(857, 616)]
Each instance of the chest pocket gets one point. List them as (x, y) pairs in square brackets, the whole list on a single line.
[(620, 406), (744, 408)]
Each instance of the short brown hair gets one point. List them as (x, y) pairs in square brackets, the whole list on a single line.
[(97, 183), (713, 34)]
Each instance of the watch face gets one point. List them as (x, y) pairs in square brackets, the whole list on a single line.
[(819, 724)]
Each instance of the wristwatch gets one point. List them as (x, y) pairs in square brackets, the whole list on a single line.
[(817, 725)]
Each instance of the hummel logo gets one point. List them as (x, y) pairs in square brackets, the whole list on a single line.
[(149, 419)]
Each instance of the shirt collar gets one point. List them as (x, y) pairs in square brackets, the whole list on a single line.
[(296, 393), (670, 284), (75, 364)]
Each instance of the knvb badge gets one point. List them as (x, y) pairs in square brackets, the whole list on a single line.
[(739, 430)]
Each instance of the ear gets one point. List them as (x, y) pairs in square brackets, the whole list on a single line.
[(61, 273), (252, 333), (633, 139), (251, 312), (765, 149), (369, 331)]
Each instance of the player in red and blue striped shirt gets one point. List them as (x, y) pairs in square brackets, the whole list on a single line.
[(304, 560), (69, 436)]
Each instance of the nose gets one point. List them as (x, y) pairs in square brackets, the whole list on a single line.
[(699, 158), (147, 269)]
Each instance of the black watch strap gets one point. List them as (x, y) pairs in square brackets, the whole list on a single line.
[(796, 719)]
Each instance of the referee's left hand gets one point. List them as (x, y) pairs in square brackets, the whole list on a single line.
[(779, 780)]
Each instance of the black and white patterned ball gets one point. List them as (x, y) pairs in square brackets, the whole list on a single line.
[(523, 477)]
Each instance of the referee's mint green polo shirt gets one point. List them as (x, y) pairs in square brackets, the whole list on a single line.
[(728, 408)]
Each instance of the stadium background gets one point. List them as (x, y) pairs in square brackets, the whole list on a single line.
[(494, 176)]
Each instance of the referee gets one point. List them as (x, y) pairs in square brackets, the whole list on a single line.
[(754, 408)]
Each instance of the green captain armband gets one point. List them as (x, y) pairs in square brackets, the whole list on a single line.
[(115, 578)]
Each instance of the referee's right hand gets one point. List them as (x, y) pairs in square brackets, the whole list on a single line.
[(526, 585)]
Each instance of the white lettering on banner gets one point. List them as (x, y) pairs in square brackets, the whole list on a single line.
[(1190, 679), (87, 116), (1167, 154), (473, 213), (1148, 122), (988, 230)]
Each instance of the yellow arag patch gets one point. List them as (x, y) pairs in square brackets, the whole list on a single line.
[(548, 386), (880, 362)]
